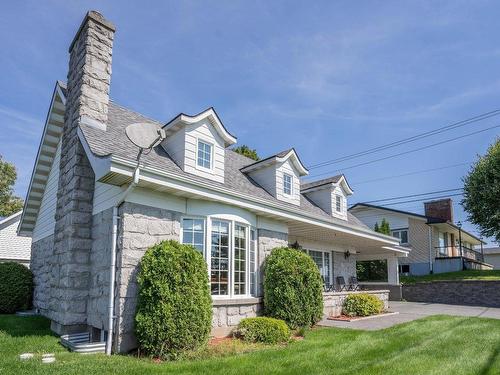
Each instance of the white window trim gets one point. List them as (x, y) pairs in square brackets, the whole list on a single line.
[(291, 184), (402, 230), (208, 247), (212, 155), (181, 236), (330, 252)]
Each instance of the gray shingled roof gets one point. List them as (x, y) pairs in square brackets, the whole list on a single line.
[(329, 180), (114, 141)]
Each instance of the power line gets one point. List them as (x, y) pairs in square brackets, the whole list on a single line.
[(421, 199), (409, 151), (409, 174), (414, 138), (413, 195)]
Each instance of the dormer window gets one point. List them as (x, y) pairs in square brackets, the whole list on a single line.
[(204, 155), (287, 184), (338, 203)]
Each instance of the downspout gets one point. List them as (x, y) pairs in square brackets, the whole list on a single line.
[(112, 277), (431, 267)]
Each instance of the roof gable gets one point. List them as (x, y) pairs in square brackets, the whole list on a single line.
[(280, 157)]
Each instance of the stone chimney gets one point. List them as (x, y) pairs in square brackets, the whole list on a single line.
[(86, 102), (440, 209)]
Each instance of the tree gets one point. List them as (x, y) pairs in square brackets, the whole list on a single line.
[(247, 151), (384, 227), (482, 192), (9, 203)]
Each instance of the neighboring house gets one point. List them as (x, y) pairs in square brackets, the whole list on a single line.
[(437, 244), (87, 200), (13, 248), (492, 256)]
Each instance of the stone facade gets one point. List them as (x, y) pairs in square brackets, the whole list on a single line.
[(140, 228), (228, 314), (267, 240), (343, 267), (333, 301), (472, 292), (100, 258), (41, 266), (87, 99)]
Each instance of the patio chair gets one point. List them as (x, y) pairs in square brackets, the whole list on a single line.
[(354, 285), (327, 287), (341, 283)]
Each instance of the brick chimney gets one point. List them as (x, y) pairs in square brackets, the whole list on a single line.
[(440, 209), (87, 100)]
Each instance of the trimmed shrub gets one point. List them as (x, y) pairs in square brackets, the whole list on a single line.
[(362, 304), (174, 309), (263, 329), (293, 288), (16, 287)]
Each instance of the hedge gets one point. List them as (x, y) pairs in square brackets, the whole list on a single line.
[(293, 288), (263, 329), (362, 304), (174, 310), (16, 287)]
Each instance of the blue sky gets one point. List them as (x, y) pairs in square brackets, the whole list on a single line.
[(329, 78)]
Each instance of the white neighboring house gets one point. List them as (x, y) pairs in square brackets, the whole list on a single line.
[(492, 256), (14, 248)]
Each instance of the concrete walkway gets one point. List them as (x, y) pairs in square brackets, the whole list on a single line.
[(409, 311)]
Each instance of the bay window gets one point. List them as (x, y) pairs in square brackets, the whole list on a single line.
[(193, 233), (219, 255)]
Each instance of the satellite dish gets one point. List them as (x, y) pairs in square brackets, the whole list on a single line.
[(144, 134)]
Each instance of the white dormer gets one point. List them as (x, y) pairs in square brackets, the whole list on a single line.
[(330, 195), (279, 175), (197, 144)]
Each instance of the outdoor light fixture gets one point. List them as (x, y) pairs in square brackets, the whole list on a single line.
[(347, 254)]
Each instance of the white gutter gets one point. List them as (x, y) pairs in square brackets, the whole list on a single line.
[(112, 267)]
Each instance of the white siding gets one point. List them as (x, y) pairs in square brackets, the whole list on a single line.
[(46, 221), (105, 196), (205, 132), (266, 177), (370, 216), (174, 144), (343, 207), (12, 246), (323, 199), (287, 167)]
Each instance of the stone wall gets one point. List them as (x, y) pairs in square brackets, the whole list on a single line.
[(227, 314), (343, 267), (87, 99), (333, 301), (472, 292), (267, 240), (100, 258), (41, 255), (140, 228)]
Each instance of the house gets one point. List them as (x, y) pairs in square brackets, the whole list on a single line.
[(13, 248), (435, 242), (95, 210), (492, 256)]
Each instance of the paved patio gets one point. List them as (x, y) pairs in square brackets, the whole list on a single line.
[(409, 311)]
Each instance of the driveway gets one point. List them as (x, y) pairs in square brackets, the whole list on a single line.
[(409, 311)]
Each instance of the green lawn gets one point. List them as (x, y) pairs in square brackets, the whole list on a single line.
[(460, 275), (436, 345)]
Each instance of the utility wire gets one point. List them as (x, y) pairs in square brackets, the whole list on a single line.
[(421, 199), (413, 195), (414, 138), (408, 152), (409, 173)]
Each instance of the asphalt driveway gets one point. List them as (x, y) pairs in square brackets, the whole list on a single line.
[(409, 311)]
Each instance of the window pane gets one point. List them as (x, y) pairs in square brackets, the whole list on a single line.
[(240, 259), (253, 281), (404, 236), (193, 233), (287, 184), (220, 257), (204, 154)]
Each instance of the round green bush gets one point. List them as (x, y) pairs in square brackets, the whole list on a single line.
[(263, 329), (362, 304), (174, 309), (16, 287), (293, 288)]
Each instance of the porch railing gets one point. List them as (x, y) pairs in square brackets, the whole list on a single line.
[(451, 251)]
